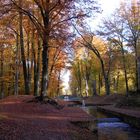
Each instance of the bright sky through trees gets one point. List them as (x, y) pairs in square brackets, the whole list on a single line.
[(108, 7)]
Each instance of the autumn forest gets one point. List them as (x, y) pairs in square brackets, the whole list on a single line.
[(68, 71), (39, 39)]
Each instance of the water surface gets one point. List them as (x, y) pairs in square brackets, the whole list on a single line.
[(111, 127)]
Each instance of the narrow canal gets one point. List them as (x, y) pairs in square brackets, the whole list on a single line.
[(112, 128)]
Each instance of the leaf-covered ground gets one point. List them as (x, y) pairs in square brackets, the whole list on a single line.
[(20, 120)]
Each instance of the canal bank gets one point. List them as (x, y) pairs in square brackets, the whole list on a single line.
[(127, 115), (106, 125), (111, 127)]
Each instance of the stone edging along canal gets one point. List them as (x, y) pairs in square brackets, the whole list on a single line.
[(125, 115)]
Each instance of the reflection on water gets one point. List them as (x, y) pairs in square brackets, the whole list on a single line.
[(93, 111), (109, 120), (113, 125), (83, 103), (111, 128)]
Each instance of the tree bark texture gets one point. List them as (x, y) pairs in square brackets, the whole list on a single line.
[(26, 81)]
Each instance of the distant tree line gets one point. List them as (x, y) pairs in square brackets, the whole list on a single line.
[(108, 60)]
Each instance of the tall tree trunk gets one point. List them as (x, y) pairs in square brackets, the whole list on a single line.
[(94, 87), (35, 63), (107, 86), (17, 65), (10, 83), (37, 71), (136, 64), (116, 82), (58, 84), (44, 81), (99, 83), (28, 60), (125, 72), (138, 69), (87, 75), (104, 73), (87, 88), (79, 79), (106, 79), (45, 54), (26, 81), (2, 72)]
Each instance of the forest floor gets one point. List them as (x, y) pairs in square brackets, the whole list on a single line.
[(23, 120), (118, 100)]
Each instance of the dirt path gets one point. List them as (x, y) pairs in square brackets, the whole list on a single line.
[(20, 120)]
